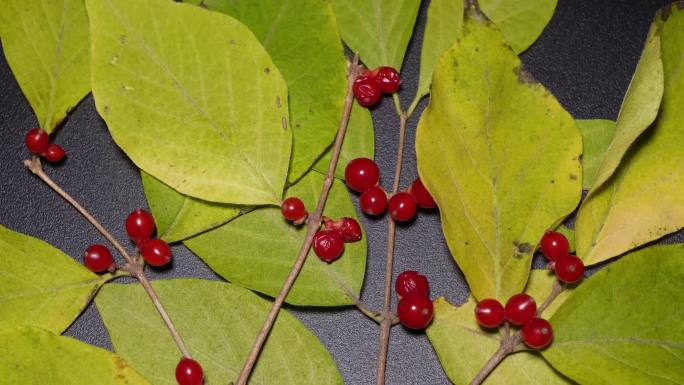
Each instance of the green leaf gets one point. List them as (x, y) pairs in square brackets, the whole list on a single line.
[(32, 356), (40, 285), (47, 46), (257, 251), (624, 324), (180, 216), (501, 158), (597, 135), (359, 142), (455, 332), (378, 30), (219, 322), (303, 40), (642, 201), (521, 21), (206, 116)]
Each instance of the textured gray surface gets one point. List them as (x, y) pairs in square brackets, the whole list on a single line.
[(585, 57)]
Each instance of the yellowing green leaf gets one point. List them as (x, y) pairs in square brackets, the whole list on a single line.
[(219, 322), (501, 158), (47, 46), (378, 30), (32, 356), (624, 324), (303, 40), (192, 98), (257, 251), (642, 201), (596, 137), (40, 285), (521, 21)]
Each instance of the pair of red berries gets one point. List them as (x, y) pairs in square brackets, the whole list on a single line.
[(189, 372), (520, 310), (369, 87), (556, 248), (415, 309), (38, 142)]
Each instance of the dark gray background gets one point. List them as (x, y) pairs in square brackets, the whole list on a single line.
[(585, 57)]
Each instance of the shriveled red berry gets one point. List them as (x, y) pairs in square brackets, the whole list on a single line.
[(98, 258), (569, 269), (139, 225), (367, 91), (489, 313), (361, 173), (411, 282), (402, 206), (328, 244), (293, 209), (37, 141), (54, 153), (155, 252), (373, 200), (189, 372), (537, 333), (349, 228), (520, 309), (422, 195), (415, 311), (389, 79), (554, 245)]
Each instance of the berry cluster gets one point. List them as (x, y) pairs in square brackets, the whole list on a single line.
[(556, 248), (38, 142), (369, 87), (363, 175), (520, 310), (415, 307)]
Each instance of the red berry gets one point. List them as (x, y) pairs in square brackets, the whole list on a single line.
[(415, 311), (189, 372), (537, 333), (373, 200), (569, 269), (411, 282), (98, 258), (349, 228), (520, 309), (328, 245), (554, 245), (402, 206), (389, 79), (361, 173), (37, 140), (155, 252), (489, 313), (139, 225), (54, 153), (367, 91), (421, 195), (293, 209)]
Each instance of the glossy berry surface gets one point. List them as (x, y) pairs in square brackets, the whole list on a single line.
[(554, 245), (54, 153), (328, 245), (388, 78), (349, 228), (422, 195), (367, 91), (189, 372), (293, 209), (373, 200), (97, 258), (569, 269), (361, 173), (155, 252), (139, 225), (402, 206), (37, 141), (520, 309), (537, 334), (489, 313), (412, 282), (415, 311)]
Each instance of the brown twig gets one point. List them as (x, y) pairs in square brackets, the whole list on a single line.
[(313, 225), (132, 265)]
